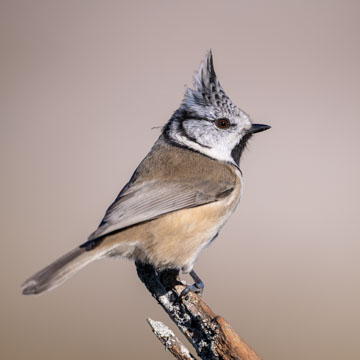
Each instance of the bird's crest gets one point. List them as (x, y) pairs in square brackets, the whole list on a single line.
[(207, 90)]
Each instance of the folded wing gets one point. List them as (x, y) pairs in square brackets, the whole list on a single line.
[(150, 199)]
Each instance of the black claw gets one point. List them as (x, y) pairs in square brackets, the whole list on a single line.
[(198, 282), (189, 288), (198, 287)]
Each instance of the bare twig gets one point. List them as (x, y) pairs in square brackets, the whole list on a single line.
[(211, 335), (171, 342)]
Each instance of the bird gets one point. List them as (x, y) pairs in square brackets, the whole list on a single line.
[(180, 195)]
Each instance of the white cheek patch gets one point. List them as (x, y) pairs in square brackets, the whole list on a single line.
[(201, 131), (202, 136), (221, 151)]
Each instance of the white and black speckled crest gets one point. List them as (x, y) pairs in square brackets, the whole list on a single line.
[(207, 90)]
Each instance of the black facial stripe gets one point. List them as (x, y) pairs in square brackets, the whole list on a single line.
[(185, 134), (239, 148)]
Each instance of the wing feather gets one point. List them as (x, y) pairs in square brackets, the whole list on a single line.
[(146, 201)]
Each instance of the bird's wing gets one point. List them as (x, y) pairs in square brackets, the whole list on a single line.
[(146, 201)]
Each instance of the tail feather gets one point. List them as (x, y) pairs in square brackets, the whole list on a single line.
[(59, 271)]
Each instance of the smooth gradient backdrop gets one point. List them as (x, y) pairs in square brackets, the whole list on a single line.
[(85, 87)]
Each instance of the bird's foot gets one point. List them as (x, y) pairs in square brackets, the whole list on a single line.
[(197, 287)]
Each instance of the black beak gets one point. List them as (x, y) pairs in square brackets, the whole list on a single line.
[(255, 128)]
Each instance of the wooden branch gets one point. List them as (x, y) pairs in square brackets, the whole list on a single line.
[(171, 342), (211, 336)]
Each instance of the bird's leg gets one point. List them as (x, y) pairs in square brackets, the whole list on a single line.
[(197, 287), (199, 284)]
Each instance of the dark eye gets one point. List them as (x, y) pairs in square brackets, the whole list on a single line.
[(223, 123)]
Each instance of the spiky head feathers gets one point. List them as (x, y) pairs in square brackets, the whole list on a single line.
[(208, 93)]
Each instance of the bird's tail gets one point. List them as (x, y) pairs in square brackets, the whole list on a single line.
[(60, 270)]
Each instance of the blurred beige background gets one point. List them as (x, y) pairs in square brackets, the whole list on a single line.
[(82, 85)]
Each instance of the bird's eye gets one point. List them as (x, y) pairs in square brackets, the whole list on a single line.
[(223, 123)]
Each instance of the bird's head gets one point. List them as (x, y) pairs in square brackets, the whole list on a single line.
[(207, 121)]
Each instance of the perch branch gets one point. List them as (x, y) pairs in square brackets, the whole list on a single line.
[(211, 336), (171, 342)]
